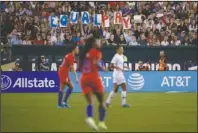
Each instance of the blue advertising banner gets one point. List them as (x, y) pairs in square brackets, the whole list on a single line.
[(170, 81), (29, 82)]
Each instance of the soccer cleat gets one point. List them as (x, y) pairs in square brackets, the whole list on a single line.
[(61, 106), (102, 125), (90, 121), (67, 105), (126, 106)]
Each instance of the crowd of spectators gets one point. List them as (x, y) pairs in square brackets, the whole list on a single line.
[(163, 23)]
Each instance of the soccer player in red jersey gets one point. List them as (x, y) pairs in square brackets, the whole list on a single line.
[(63, 73), (91, 82)]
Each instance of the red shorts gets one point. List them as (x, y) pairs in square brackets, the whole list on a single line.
[(91, 84), (63, 77)]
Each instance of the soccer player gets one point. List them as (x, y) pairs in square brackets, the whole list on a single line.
[(91, 83), (117, 64), (63, 73), (162, 62)]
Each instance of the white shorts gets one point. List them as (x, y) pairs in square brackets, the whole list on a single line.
[(118, 79)]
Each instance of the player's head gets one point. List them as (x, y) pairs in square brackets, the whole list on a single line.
[(17, 63), (42, 57), (140, 63), (162, 53), (90, 43), (120, 50), (75, 49)]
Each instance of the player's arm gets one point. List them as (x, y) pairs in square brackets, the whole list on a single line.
[(116, 67), (100, 66), (70, 64), (74, 72), (96, 61)]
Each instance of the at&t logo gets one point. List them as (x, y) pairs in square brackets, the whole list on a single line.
[(136, 81), (6, 82)]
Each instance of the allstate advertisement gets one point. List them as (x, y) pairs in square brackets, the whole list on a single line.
[(29, 82), (170, 81)]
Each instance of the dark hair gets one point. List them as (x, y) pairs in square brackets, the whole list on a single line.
[(119, 46), (87, 47), (73, 46)]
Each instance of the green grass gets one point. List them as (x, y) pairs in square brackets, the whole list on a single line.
[(150, 112)]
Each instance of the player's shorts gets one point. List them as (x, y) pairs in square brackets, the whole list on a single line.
[(64, 77), (119, 78), (91, 84)]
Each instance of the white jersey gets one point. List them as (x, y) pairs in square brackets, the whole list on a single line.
[(118, 75), (118, 61)]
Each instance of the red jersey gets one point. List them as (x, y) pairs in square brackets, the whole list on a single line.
[(88, 66), (68, 61)]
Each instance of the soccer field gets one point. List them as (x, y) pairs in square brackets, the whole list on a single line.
[(149, 112)]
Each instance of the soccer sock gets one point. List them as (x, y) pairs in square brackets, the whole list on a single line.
[(63, 97), (110, 97), (123, 96), (68, 93), (60, 94), (89, 110), (102, 112)]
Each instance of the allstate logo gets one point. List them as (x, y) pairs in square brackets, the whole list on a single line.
[(6, 82), (136, 81)]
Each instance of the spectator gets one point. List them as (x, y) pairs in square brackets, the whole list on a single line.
[(175, 41), (81, 42), (150, 36), (38, 40), (106, 33), (68, 39), (116, 33), (27, 41), (48, 40), (76, 38), (138, 31), (122, 40), (155, 41), (182, 27), (111, 41), (182, 36), (193, 39), (185, 41), (18, 40), (150, 43), (158, 18), (129, 37), (54, 35), (193, 26), (165, 41), (133, 42), (142, 41), (59, 42)]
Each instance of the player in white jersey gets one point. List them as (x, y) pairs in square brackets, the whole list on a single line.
[(117, 63)]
